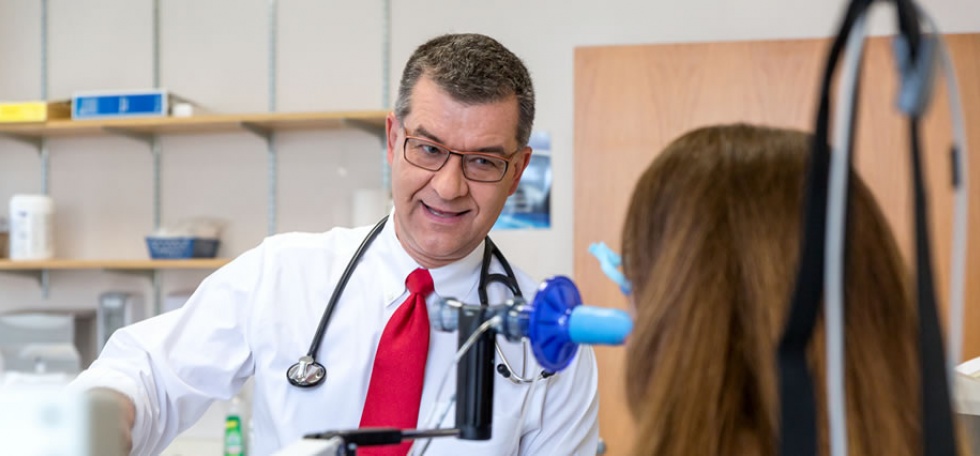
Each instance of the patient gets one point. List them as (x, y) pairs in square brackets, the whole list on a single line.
[(711, 246)]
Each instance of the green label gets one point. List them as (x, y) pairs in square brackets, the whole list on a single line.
[(234, 443)]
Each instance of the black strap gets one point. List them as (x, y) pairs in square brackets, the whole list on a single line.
[(797, 407), (938, 437), (798, 432)]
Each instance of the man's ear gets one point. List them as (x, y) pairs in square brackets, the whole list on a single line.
[(392, 125), (519, 166)]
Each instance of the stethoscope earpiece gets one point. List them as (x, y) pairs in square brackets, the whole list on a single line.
[(503, 370), (306, 373), (507, 373)]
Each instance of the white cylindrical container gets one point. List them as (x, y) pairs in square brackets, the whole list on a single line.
[(31, 227)]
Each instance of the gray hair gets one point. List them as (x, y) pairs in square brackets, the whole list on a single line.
[(473, 69)]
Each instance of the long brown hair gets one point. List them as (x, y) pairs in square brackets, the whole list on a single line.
[(711, 246)]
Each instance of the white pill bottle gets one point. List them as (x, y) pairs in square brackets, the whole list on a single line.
[(31, 227)]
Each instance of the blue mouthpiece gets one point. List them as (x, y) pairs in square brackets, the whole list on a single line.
[(599, 326), (559, 323)]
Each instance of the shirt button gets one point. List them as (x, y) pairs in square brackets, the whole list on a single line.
[(390, 297)]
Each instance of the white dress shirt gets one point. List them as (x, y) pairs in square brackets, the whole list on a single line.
[(257, 315)]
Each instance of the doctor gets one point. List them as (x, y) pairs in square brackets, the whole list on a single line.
[(457, 145)]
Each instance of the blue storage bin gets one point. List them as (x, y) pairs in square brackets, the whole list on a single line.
[(181, 247)]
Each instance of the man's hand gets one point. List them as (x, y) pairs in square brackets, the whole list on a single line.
[(116, 404)]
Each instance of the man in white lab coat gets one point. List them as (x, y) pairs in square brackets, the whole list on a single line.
[(457, 145)]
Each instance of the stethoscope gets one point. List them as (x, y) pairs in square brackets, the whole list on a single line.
[(308, 372)]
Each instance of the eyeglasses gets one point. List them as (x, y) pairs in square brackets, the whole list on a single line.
[(477, 166)]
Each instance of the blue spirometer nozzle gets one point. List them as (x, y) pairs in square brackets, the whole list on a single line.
[(559, 323)]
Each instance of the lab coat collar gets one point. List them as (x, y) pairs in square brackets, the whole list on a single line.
[(457, 280)]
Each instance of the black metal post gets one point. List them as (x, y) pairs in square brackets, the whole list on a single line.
[(474, 377)]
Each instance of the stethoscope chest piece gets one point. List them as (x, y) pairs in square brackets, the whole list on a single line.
[(306, 373)]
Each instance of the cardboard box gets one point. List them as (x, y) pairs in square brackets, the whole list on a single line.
[(34, 111)]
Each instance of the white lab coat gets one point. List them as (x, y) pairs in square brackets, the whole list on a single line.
[(257, 315)]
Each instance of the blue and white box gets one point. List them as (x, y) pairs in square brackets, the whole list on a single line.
[(120, 104)]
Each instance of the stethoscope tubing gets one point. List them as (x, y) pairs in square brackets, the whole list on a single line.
[(328, 312), (309, 361), (308, 372)]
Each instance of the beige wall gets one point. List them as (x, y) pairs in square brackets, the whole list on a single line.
[(214, 52), (772, 82)]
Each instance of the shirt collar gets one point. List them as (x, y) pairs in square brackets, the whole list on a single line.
[(457, 279)]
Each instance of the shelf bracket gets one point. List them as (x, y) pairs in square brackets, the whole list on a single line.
[(32, 274), (258, 130), (157, 292), (368, 127), (153, 275), (34, 141), (41, 276), (145, 138), (45, 280)]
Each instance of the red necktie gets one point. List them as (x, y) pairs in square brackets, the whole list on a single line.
[(399, 367)]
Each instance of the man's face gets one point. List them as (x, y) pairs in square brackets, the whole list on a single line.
[(441, 216)]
